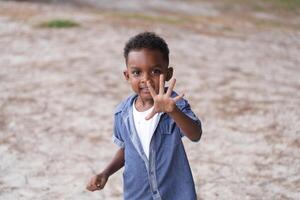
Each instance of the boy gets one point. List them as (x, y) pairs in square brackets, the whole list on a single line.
[(149, 126)]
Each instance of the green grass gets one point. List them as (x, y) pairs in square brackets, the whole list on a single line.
[(288, 5), (59, 23)]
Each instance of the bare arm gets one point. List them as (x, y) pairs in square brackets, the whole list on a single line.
[(190, 128), (116, 163), (98, 182)]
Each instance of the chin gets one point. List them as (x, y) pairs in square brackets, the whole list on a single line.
[(145, 96)]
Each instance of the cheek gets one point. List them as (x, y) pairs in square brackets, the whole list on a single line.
[(155, 82), (134, 82)]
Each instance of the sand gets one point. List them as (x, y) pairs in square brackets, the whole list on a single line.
[(59, 88)]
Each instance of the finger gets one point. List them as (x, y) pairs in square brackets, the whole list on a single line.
[(91, 188), (178, 97), (101, 184), (150, 115), (161, 84), (97, 185), (171, 87), (93, 184), (90, 185), (152, 91)]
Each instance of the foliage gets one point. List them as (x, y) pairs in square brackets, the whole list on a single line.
[(59, 23)]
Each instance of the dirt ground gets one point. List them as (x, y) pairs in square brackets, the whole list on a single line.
[(59, 88)]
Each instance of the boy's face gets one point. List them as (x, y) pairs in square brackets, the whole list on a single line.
[(146, 65)]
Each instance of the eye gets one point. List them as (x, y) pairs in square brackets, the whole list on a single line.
[(135, 72), (156, 71)]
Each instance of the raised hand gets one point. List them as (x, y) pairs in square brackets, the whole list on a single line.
[(163, 102)]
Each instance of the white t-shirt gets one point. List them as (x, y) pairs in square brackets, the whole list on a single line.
[(145, 128)]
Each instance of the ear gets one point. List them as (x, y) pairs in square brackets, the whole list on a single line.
[(169, 73), (126, 74)]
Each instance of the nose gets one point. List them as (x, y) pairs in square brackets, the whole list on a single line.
[(145, 77)]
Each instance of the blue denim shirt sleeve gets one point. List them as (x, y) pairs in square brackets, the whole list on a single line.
[(118, 132), (117, 137), (185, 107)]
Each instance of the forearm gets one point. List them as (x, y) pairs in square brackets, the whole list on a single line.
[(190, 128), (116, 163)]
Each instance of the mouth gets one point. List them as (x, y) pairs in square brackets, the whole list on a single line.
[(145, 89)]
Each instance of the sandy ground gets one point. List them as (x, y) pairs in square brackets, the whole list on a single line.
[(59, 87)]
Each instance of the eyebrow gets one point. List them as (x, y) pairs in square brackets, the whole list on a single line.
[(155, 66)]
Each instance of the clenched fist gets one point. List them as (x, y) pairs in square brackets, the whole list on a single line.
[(97, 182)]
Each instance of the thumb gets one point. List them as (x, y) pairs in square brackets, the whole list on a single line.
[(150, 115), (102, 183)]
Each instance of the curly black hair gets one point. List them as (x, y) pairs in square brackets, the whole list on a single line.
[(147, 40)]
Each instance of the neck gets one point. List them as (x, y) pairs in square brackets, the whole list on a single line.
[(143, 104)]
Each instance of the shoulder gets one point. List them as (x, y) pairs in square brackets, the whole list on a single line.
[(181, 103), (125, 104)]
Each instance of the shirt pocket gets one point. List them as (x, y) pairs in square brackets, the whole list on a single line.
[(170, 137)]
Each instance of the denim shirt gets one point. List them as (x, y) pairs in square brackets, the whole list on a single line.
[(166, 175)]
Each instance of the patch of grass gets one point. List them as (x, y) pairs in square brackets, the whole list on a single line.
[(257, 8), (59, 23), (289, 5), (227, 28)]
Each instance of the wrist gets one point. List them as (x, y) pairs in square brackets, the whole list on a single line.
[(105, 173), (174, 111)]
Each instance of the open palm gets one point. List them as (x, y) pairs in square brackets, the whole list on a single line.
[(163, 102)]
